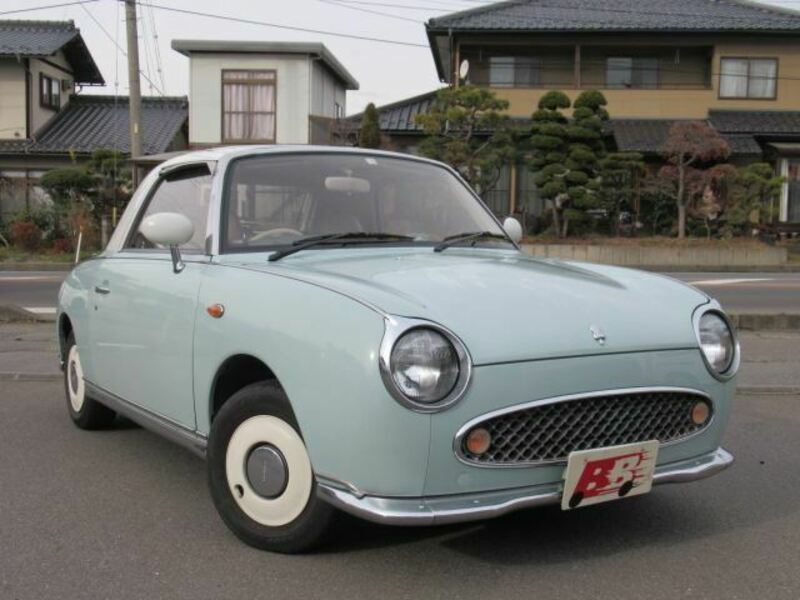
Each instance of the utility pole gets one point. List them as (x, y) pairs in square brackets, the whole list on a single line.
[(135, 92)]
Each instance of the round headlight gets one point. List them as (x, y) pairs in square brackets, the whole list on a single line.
[(424, 365), (716, 342)]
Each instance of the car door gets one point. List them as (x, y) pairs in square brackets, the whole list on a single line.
[(144, 312)]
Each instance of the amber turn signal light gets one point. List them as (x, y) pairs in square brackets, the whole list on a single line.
[(216, 310), (700, 413), (478, 441)]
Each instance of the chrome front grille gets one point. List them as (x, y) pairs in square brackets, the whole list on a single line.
[(547, 431)]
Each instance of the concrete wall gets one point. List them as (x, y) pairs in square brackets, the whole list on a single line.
[(62, 71), (205, 95), (12, 99), (717, 257)]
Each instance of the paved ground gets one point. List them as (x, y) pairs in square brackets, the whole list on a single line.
[(123, 514), (30, 288), (750, 292), (738, 292)]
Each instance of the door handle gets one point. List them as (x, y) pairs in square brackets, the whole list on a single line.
[(102, 289)]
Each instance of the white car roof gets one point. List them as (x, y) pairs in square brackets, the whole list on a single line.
[(220, 153)]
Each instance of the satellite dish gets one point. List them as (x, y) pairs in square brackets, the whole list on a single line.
[(463, 69)]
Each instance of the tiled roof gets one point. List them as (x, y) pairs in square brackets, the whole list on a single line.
[(621, 15), (44, 38), (649, 135), (90, 123), (758, 122), (399, 117)]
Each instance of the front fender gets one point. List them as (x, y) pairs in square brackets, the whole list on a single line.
[(323, 348)]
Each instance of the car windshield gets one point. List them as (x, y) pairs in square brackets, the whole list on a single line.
[(279, 200)]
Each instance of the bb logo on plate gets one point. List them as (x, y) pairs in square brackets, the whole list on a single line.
[(595, 476)]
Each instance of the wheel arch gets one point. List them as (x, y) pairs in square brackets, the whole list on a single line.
[(64, 329), (235, 373)]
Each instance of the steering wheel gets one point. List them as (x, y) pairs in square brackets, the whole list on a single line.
[(278, 232)]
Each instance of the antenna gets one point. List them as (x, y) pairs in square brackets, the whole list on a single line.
[(463, 69)]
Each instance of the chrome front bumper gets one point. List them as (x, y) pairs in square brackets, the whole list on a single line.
[(438, 510)]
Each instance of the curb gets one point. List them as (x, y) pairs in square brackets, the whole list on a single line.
[(35, 266), (10, 313), (765, 322), (788, 268), (30, 376), (777, 390)]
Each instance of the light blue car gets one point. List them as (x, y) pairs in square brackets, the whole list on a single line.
[(347, 329)]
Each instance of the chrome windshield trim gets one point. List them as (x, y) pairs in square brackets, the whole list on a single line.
[(395, 328), (714, 307), (464, 429), (459, 508)]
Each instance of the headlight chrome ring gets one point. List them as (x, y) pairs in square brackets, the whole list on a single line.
[(719, 345), (398, 344)]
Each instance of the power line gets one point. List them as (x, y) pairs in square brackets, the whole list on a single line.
[(113, 41), (372, 12), (156, 46), (44, 6), (143, 37), (279, 26), (404, 6)]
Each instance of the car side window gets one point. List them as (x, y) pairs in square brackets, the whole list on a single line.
[(186, 191)]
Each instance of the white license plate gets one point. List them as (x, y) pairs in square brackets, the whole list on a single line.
[(604, 474)]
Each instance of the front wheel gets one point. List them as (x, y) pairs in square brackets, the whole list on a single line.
[(260, 474), (84, 412)]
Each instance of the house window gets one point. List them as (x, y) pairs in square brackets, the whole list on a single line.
[(513, 71), (638, 72), (248, 106), (338, 112), (748, 78), (49, 92)]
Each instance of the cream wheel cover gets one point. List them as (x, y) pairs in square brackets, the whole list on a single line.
[(287, 507), (75, 389)]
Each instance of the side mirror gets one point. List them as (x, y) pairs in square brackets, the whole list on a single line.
[(513, 229), (168, 229)]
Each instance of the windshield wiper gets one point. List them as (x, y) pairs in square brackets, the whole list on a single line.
[(472, 236), (343, 238)]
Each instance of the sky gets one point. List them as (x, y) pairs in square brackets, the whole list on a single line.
[(386, 72)]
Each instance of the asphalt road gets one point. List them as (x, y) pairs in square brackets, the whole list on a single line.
[(123, 514), (738, 292)]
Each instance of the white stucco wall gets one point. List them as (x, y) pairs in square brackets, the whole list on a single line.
[(12, 99), (205, 94), (41, 115)]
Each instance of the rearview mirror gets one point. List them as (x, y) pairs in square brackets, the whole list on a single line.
[(168, 229), (513, 229), (351, 185)]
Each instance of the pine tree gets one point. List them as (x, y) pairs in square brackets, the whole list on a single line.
[(549, 143), (370, 134)]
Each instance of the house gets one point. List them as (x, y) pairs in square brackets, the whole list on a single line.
[(263, 92), (47, 122), (732, 63)]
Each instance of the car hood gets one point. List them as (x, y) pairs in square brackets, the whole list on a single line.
[(507, 306)]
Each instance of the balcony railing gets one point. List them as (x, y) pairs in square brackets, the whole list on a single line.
[(580, 67)]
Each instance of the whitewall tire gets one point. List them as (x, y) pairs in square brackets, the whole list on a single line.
[(76, 388), (273, 432), (85, 412), (260, 475)]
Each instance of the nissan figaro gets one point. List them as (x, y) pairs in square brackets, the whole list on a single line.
[(338, 329)]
